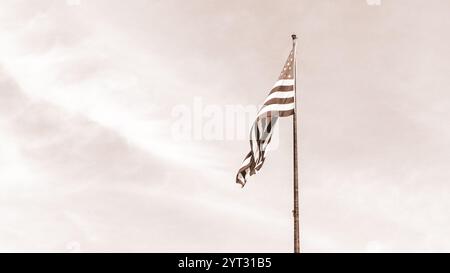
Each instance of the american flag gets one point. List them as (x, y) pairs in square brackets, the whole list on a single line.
[(279, 103)]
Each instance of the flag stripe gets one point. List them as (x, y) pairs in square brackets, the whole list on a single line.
[(280, 101), (274, 114), (275, 107), (280, 95), (282, 88), (284, 82), (286, 113)]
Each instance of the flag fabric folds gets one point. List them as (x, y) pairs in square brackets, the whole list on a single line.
[(279, 103)]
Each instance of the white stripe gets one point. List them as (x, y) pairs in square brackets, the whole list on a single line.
[(255, 148), (246, 161), (283, 82), (280, 95), (276, 107)]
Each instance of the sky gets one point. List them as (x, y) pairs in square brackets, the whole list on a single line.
[(121, 125)]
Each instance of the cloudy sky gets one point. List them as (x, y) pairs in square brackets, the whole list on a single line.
[(91, 157)]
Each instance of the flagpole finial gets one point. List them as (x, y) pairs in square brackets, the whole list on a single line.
[(294, 37)]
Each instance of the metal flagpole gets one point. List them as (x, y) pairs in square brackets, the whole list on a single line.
[(296, 210)]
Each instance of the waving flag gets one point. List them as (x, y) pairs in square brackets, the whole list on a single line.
[(279, 103)]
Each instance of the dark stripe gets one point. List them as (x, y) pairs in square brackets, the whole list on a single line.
[(282, 88), (279, 101), (243, 168), (286, 113), (275, 114)]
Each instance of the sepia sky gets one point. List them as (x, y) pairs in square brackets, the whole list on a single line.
[(90, 89)]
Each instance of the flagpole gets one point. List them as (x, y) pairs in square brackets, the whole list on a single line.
[(296, 197)]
